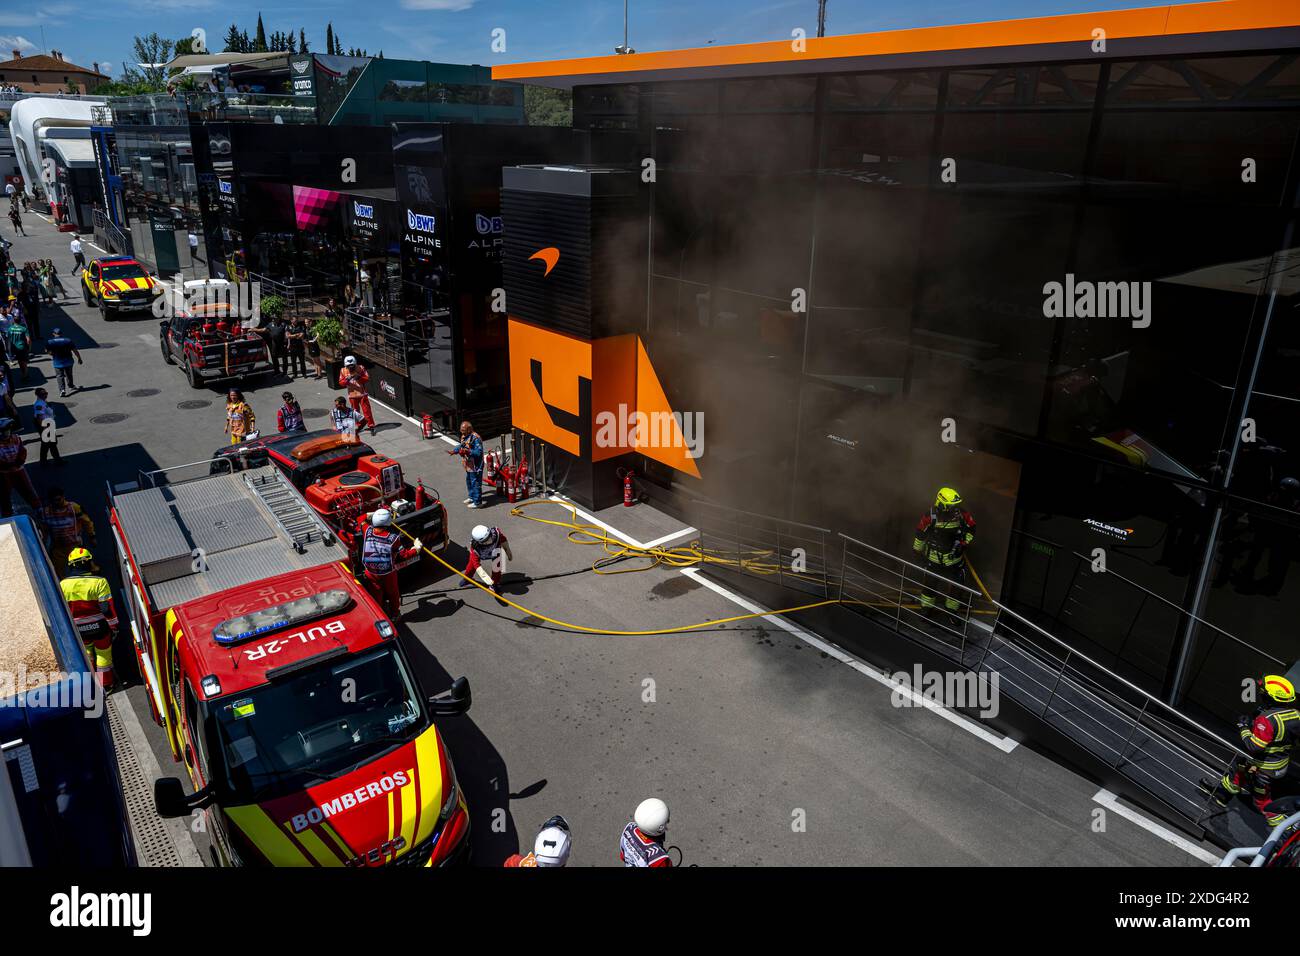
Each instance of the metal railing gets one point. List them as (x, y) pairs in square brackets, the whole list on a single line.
[(1161, 750), (375, 340), (159, 477), (296, 295), (110, 236), (1129, 611)]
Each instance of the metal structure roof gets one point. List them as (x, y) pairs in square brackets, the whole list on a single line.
[(206, 535)]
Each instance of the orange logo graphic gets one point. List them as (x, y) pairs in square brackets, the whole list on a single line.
[(550, 255)]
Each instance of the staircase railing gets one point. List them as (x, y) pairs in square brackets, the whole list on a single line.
[(1158, 748)]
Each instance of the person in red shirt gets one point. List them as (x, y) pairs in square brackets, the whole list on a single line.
[(13, 474), (354, 378)]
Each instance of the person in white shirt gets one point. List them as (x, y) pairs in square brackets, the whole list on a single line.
[(75, 246)]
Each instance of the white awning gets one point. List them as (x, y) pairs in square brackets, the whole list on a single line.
[(74, 152)]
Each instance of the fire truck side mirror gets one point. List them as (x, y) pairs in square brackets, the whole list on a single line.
[(451, 702), (171, 800)]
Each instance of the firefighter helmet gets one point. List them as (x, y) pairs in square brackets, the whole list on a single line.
[(1279, 688), (381, 518), (551, 848), (350, 360), (481, 533), (79, 559), (947, 498), (651, 817)]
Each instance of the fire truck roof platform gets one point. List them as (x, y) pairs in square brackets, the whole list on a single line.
[(205, 535)]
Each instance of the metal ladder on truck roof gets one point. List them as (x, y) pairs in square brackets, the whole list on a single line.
[(288, 508)]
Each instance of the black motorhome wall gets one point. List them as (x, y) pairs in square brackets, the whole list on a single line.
[(841, 266)]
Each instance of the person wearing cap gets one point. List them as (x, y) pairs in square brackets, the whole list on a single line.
[(550, 849), (13, 474), (354, 378), (488, 552), (642, 843), (288, 417), (62, 352), (381, 552)]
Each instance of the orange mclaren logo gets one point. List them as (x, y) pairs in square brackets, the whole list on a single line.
[(550, 255)]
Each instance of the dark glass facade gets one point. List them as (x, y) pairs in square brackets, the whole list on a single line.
[(842, 265)]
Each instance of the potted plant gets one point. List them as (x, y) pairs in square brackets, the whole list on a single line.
[(329, 336), (270, 307)]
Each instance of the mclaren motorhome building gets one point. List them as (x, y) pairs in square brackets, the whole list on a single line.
[(1049, 263)]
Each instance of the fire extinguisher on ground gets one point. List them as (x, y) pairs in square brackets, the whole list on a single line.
[(629, 489), (521, 478), (490, 467), (426, 425)]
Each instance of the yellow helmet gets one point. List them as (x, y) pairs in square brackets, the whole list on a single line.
[(947, 498), (1279, 688), (79, 556)]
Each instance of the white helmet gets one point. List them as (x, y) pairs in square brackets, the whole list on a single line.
[(551, 848), (350, 360), (651, 817), (481, 533), (381, 518)]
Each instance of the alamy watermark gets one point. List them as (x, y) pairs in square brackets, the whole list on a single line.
[(51, 689), (956, 690), (1084, 299), (638, 429), (220, 299)]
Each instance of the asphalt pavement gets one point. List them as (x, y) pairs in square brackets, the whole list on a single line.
[(769, 750)]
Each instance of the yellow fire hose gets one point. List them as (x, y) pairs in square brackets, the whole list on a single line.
[(682, 556)]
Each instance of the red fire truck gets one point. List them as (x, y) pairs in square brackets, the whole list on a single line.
[(280, 684), (344, 481)]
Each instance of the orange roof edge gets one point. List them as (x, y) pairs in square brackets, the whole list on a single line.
[(1176, 19)]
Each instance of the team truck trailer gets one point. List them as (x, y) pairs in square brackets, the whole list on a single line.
[(61, 800), (281, 686)]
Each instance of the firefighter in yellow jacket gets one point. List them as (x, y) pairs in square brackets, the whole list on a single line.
[(90, 601), (1267, 737), (942, 536)]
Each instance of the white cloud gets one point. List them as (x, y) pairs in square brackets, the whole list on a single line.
[(449, 6), (9, 44), (106, 67)]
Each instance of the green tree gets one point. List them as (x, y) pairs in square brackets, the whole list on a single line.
[(329, 39), (183, 47), (544, 106), (259, 44), (152, 52), (302, 40), (233, 40)]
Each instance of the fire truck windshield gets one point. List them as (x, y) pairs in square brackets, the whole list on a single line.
[(314, 725)]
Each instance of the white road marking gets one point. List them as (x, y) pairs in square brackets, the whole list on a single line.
[(1111, 803), (669, 537), (1005, 744), (93, 246)]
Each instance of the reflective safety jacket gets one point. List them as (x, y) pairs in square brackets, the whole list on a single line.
[(380, 551), (91, 602), (289, 417), (67, 524), (1269, 737), (941, 539), (637, 849)]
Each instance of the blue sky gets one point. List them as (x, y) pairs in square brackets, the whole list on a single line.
[(459, 31)]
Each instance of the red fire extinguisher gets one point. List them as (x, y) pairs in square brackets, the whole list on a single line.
[(490, 467), (421, 496), (629, 493), (426, 425), (506, 482), (521, 478)]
